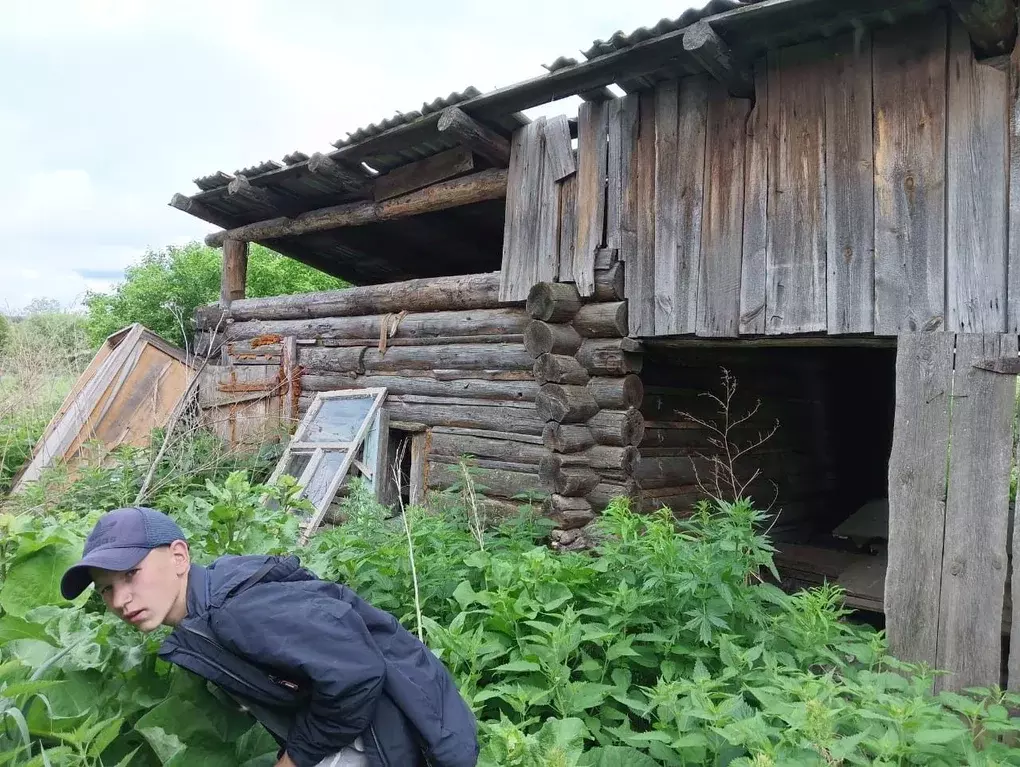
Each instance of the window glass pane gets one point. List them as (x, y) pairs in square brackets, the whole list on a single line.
[(338, 420), (296, 464), (318, 484)]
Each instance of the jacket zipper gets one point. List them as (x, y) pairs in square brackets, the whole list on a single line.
[(378, 746)]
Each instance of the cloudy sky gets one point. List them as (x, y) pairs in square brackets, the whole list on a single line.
[(108, 107)]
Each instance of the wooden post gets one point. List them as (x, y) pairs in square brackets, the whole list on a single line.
[(235, 272)]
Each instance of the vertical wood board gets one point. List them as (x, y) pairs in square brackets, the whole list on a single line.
[(909, 90), (849, 188), (795, 298), (514, 217), (568, 228), (553, 165), (621, 204), (917, 494), (693, 138), (591, 191), (521, 228), (1013, 278), (976, 188), (721, 238), (755, 226), (640, 267), (977, 508), (559, 152), (667, 207)]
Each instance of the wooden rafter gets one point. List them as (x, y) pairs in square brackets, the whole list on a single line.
[(478, 187)]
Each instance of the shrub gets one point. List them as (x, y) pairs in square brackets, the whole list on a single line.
[(667, 647), (165, 287)]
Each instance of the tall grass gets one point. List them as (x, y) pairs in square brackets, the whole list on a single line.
[(39, 363)]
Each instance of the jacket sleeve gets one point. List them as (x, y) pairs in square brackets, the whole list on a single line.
[(318, 641)]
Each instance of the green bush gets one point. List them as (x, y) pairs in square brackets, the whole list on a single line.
[(665, 648), (163, 290)]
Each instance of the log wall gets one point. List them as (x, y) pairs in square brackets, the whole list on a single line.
[(864, 189), (589, 397), (452, 358)]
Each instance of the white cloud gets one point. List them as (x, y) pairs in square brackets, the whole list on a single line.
[(117, 104)]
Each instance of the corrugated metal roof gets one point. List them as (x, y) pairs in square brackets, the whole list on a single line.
[(385, 162), (620, 40)]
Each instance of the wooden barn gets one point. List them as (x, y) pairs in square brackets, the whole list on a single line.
[(820, 196)]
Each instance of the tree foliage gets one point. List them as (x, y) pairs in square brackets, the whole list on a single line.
[(163, 290)]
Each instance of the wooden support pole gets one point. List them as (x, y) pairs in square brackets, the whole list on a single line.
[(706, 47), (991, 24), (479, 138), (234, 274), (478, 187)]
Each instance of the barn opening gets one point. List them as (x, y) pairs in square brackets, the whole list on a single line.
[(823, 416)]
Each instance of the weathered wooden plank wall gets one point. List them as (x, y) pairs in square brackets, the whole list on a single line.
[(976, 185), (977, 507), (849, 188), (874, 171), (540, 160), (719, 279), (795, 253), (949, 506)]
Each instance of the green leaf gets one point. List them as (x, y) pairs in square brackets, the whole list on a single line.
[(940, 736), (35, 579), (13, 628), (617, 756), (519, 666), (109, 732), (166, 745)]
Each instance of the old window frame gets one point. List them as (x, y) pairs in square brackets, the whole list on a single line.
[(299, 445)]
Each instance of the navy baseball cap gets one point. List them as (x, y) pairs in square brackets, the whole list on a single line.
[(120, 540)]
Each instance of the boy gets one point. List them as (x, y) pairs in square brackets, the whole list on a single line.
[(335, 680)]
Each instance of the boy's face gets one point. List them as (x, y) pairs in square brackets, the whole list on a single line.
[(153, 593)]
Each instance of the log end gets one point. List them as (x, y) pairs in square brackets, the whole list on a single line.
[(569, 513)]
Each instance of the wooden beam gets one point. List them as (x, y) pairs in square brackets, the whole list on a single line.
[(479, 138), (321, 165), (241, 187), (991, 24), (234, 273), (716, 57), (198, 210), (416, 175), (478, 187)]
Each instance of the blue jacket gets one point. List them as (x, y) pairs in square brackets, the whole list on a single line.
[(318, 666)]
